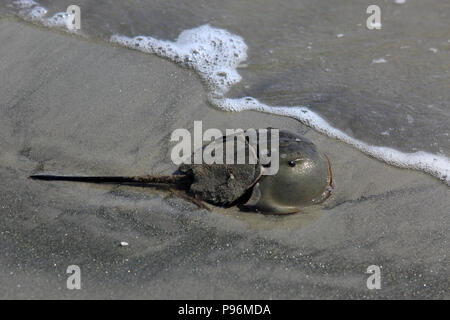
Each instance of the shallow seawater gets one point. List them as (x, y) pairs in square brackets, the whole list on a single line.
[(387, 87)]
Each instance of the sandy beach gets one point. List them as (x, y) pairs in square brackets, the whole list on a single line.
[(75, 106)]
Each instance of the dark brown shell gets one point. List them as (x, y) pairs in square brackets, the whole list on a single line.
[(223, 184)]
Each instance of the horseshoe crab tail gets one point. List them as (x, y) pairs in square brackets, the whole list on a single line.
[(179, 180)]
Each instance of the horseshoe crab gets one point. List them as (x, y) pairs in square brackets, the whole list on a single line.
[(304, 178)]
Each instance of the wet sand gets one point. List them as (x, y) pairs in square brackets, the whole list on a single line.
[(72, 106)]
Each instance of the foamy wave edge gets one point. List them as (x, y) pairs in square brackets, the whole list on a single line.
[(33, 11), (435, 165)]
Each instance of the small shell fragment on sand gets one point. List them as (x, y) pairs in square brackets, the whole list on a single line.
[(380, 60)]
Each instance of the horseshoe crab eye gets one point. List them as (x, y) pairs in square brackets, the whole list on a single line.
[(292, 163)]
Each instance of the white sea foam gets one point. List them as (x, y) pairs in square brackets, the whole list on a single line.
[(36, 13), (216, 54), (33, 11), (58, 19), (24, 3)]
